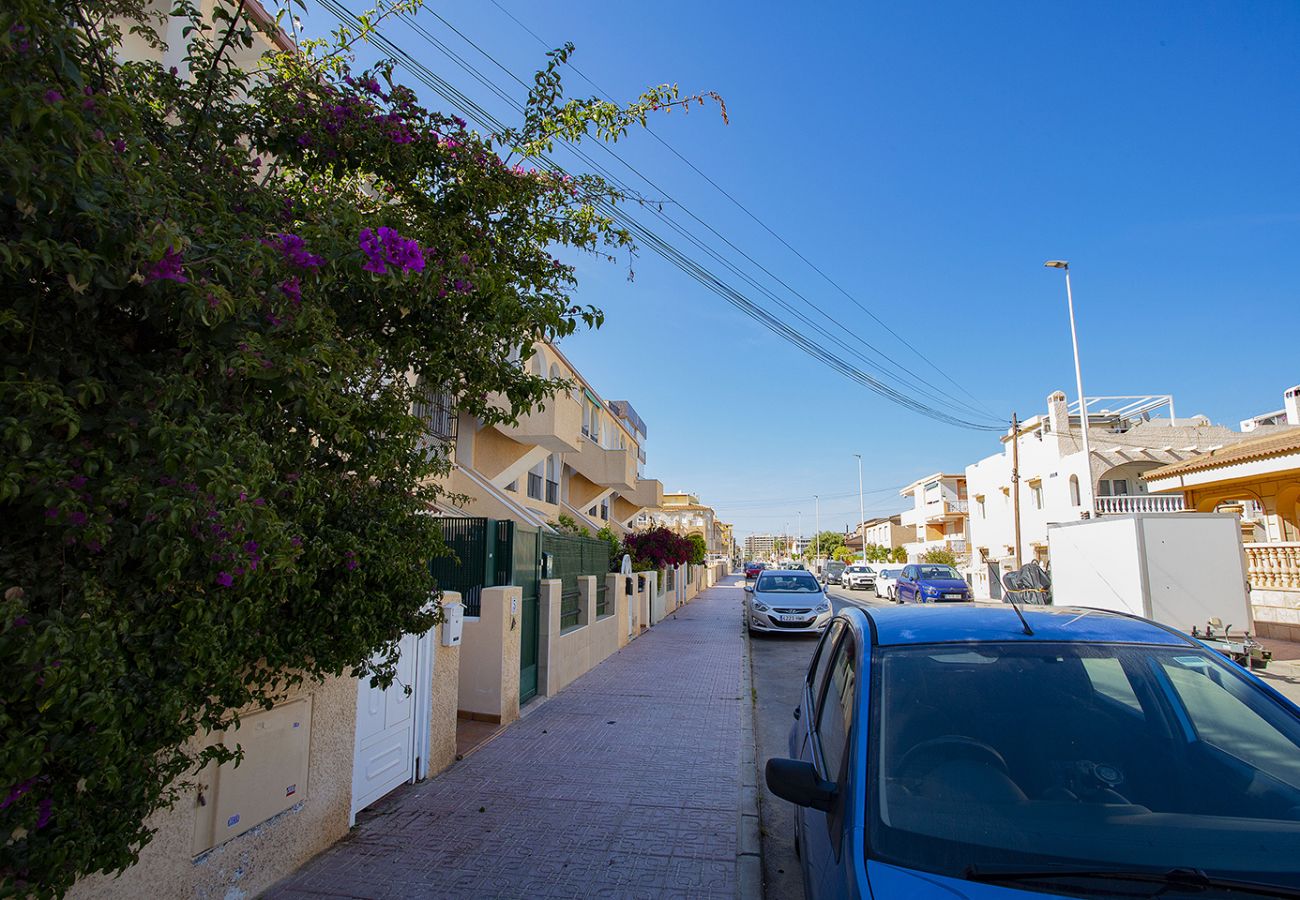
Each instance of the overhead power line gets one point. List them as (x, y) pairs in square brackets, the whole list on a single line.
[(646, 236)]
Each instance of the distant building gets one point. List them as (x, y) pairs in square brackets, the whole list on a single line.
[(883, 531), (685, 514), (759, 546), (937, 519), (1289, 414)]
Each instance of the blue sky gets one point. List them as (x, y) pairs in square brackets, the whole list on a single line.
[(929, 157)]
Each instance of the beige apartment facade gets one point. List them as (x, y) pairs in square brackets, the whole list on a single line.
[(938, 516)]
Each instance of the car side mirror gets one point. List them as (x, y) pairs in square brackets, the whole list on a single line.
[(797, 781), (749, 589)]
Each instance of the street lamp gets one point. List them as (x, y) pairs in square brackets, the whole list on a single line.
[(1078, 381), (817, 532), (862, 531)]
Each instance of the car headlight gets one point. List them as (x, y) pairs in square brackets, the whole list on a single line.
[(759, 607), (824, 607), (930, 590)]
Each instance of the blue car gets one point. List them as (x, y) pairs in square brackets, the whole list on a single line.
[(931, 583), (964, 752)]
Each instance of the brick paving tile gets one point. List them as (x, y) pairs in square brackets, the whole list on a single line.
[(625, 785)]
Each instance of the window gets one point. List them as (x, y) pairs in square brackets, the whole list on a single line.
[(1074, 490), (1036, 490), (1108, 679), (817, 674), (835, 715)]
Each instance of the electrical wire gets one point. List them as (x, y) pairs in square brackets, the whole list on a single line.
[(648, 237)]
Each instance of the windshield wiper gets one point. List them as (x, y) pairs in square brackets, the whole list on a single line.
[(1180, 877)]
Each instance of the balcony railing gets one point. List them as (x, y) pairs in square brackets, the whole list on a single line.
[(1138, 503), (1274, 567)]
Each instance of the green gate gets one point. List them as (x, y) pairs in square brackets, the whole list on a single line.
[(527, 559)]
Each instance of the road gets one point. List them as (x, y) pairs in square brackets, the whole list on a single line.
[(779, 663)]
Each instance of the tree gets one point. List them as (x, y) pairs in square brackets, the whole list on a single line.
[(566, 524), (877, 553), (939, 556), (825, 543), (898, 555), (844, 554), (658, 547), (699, 549), (615, 547), (220, 300)]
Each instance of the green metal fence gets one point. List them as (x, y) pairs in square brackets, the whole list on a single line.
[(571, 558), (483, 555)]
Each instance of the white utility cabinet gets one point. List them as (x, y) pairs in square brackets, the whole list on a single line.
[(1179, 569)]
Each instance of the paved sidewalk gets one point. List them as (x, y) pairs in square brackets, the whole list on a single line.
[(626, 784)]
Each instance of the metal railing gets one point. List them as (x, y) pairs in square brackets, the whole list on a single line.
[(1138, 503), (481, 552), (1274, 566)]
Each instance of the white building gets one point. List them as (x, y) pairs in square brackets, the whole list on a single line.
[(937, 519), (1125, 441)]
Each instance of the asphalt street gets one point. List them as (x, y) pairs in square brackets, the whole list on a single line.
[(779, 663)]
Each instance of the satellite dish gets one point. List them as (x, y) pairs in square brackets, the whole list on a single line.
[(625, 568)]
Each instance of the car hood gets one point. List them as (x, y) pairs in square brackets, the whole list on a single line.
[(891, 881), (944, 584), (781, 598)]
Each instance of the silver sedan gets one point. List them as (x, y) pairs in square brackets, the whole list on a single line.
[(787, 601)]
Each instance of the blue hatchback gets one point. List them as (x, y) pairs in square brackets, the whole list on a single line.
[(954, 752), (930, 583)]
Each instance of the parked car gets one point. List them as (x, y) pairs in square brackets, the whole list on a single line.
[(931, 583), (786, 600), (832, 572), (886, 581), (858, 577), (753, 568), (953, 753)]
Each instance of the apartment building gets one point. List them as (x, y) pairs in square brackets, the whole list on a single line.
[(575, 455), (938, 517), (1057, 484), (683, 513), (759, 546)]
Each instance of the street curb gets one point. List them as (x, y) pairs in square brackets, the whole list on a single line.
[(749, 842)]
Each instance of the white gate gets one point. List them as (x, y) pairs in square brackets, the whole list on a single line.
[(385, 750)]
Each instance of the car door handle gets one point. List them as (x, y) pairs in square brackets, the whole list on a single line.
[(796, 712)]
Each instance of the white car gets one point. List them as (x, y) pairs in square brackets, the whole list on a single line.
[(886, 581), (786, 600), (858, 577)]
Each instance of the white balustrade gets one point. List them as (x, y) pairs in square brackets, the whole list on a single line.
[(1139, 503), (1274, 567)]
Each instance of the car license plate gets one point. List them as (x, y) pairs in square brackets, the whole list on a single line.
[(791, 618), (952, 596)]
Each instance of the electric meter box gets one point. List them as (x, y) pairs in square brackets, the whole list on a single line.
[(1179, 569), (453, 622), (271, 778)]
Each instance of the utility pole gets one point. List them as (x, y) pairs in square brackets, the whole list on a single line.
[(1015, 481), (1089, 501), (817, 533), (862, 518)]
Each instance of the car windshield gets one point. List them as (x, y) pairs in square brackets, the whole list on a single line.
[(1085, 757), (924, 572), (889, 573), (789, 583)]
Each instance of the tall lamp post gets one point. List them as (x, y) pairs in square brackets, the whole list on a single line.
[(1078, 383), (862, 531), (817, 531)]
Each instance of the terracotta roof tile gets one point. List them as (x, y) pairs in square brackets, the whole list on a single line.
[(1274, 444)]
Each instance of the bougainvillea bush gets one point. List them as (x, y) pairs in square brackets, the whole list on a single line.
[(658, 547), (220, 296)]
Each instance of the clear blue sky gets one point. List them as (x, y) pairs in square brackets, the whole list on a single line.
[(929, 157)]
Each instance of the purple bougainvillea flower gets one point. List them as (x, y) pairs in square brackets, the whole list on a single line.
[(166, 269), (225, 579), (17, 791), (77, 517), (44, 812), (119, 145), (53, 96), (294, 250), (292, 288), (77, 482), (52, 512)]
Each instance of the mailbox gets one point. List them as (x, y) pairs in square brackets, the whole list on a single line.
[(453, 621)]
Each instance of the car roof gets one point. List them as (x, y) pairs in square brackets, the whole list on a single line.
[(946, 623), (786, 572)]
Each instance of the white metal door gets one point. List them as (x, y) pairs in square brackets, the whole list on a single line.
[(385, 743)]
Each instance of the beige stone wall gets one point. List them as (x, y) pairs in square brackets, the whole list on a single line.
[(489, 658), (253, 861), (442, 718), (564, 656), (1276, 614)]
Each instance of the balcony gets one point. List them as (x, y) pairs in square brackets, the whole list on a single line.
[(937, 511), (611, 468), (558, 427), (1138, 503), (1274, 567), (648, 493)]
